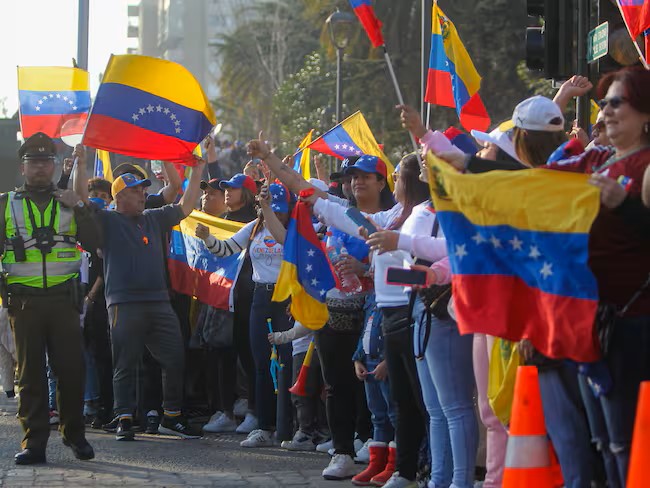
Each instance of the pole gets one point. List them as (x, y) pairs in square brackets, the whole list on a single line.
[(426, 48), (339, 101), (82, 35), (583, 107), (400, 99)]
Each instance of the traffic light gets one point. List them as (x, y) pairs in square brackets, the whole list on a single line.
[(550, 43), (621, 50)]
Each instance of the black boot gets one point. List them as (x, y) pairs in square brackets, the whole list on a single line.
[(30, 455), (82, 449)]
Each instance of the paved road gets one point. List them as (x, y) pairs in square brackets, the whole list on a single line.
[(158, 461)]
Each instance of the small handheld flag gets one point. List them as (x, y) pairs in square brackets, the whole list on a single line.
[(103, 165), (302, 157), (366, 14), (274, 365)]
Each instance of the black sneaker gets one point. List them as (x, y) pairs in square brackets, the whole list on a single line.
[(125, 430), (82, 450), (112, 425), (177, 426), (153, 422)]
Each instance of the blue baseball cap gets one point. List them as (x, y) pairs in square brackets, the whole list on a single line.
[(127, 180), (368, 164), (240, 180), (280, 198)]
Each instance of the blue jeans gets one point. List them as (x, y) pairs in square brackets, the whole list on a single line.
[(598, 428), (629, 365), (566, 424), (271, 410), (51, 387), (91, 391), (380, 406), (447, 379)]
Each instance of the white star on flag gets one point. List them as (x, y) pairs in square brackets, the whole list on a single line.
[(534, 252), (74, 107), (177, 122), (142, 111), (516, 243), (478, 238), (50, 95), (336, 146), (546, 270), (40, 102), (461, 252), (149, 108), (58, 95), (311, 253), (135, 117), (166, 111), (308, 268), (38, 108), (495, 242), (344, 147), (173, 116), (322, 292), (314, 282), (178, 130), (158, 108)]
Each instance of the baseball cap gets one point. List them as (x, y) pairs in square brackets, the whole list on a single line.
[(213, 183), (240, 180), (538, 113), (280, 197), (461, 140), (500, 137), (368, 164), (337, 175), (127, 180), (37, 146), (135, 169)]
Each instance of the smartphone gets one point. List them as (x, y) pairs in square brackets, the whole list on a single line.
[(405, 277), (359, 219)]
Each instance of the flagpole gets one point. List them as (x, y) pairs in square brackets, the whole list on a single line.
[(400, 99), (636, 44), (428, 120)]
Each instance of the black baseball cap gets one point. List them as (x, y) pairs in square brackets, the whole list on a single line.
[(213, 183), (349, 161)]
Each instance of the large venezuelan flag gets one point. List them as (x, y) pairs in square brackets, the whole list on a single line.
[(518, 247), (195, 271), (452, 80), (305, 273), (103, 167), (366, 14), (302, 157), (636, 14), (50, 96), (149, 108), (352, 137)]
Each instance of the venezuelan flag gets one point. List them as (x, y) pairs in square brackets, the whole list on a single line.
[(194, 270), (103, 165), (452, 80), (636, 14), (366, 14), (352, 137), (305, 273), (520, 269), (149, 108), (50, 96), (302, 158)]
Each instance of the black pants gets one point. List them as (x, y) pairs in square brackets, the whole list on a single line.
[(310, 411), (405, 393), (335, 350), (98, 342)]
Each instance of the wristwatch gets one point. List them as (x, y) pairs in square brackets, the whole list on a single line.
[(80, 204)]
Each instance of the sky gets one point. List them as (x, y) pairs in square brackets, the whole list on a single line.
[(44, 33)]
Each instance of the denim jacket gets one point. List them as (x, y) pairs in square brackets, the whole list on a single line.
[(371, 318)]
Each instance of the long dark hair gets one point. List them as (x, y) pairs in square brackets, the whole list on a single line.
[(415, 191), (386, 198)]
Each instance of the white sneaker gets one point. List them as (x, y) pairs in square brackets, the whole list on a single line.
[(363, 454), (258, 438), (358, 444), (248, 425), (300, 442), (396, 481), (325, 446), (222, 424), (240, 409), (215, 416), (341, 467)]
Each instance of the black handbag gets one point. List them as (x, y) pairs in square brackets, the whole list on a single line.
[(215, 327)]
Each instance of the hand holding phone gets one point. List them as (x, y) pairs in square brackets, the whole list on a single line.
[(361, 220), (406, 277)]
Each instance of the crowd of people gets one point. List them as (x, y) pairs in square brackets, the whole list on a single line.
[(392, 382)]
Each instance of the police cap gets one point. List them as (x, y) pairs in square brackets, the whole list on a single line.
[(37, 146)]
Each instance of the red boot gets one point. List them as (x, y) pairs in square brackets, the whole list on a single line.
[(378, 458), (384, 476)]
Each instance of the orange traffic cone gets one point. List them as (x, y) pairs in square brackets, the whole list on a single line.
[(527, 456), (637, 474), (299, 388)]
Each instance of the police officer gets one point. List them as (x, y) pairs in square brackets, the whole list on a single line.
[(40, 226)]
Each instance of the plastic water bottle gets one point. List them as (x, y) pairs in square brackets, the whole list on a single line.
[(350, 284)]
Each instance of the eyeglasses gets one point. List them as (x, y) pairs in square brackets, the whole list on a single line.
[(615, 102)]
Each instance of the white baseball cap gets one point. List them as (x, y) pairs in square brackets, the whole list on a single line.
[(538, 113), (501, 137)]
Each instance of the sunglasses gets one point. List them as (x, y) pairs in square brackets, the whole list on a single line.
[(615, 102)]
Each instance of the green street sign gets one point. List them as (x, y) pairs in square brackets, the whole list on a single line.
[(598, 42)]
